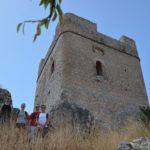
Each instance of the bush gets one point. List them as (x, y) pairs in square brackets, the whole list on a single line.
[(145, 115)]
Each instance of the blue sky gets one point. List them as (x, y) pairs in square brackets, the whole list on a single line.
[(20, 57)]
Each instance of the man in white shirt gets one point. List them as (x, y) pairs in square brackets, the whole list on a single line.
[(43, 120)]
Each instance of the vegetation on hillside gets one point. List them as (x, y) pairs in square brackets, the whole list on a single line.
[(68, 139), (145, 115)]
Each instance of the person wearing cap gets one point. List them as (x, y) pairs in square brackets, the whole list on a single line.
[(43, 120), (6, 112), (33, 121), (22, 117)]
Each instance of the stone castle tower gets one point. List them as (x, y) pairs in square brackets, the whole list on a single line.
[(92, 70)]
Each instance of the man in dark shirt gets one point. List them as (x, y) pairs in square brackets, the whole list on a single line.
[(6, 111)]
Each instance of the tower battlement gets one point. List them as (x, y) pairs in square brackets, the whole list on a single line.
[(82, 27)]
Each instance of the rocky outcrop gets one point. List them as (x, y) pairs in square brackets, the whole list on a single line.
[(69, 113), (138, 144), (4, 95)]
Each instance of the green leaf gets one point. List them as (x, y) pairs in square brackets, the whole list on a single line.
[(59, 10), (23, 28), (44, 22), (54, 16), (45, 3), (53, 2), (18, 27), (60, 13), (41, 2), (52, 8), (60, 1), (47, 24), (38, 32)]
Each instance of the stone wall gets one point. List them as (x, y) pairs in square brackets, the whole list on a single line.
[(48, 89), (111, 97)]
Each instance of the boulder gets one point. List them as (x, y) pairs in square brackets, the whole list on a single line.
[(137, 144), (4, 95), (70, 113)]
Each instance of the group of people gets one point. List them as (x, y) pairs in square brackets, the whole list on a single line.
[(36, 122)]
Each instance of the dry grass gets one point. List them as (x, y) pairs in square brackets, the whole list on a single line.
[(67, 139)]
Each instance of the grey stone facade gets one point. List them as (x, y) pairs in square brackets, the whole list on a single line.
[(92, 70)]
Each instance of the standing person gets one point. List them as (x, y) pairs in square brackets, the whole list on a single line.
[(43, 120), (6, 112), (33, 121), (22, 117)]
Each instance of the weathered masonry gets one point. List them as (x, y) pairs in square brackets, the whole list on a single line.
[(92, 70)]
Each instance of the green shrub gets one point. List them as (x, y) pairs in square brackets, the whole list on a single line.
[(145, 115)]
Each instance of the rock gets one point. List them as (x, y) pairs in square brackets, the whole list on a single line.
[(137, 144), (70, 113), (124, 146), (141, 144), (4, 95)]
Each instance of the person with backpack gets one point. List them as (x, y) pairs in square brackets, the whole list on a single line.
[(22, 117), (6, 112), (33, 122), (43, 121)]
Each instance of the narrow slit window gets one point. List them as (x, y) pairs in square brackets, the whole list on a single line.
[(99, 70), (52, 68)]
